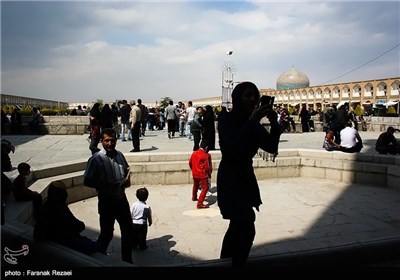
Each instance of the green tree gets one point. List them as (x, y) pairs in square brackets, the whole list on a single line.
[(100, 101), (164, 102)]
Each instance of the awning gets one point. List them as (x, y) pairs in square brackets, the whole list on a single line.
[(390, 103), (380, 102), (341, 103)]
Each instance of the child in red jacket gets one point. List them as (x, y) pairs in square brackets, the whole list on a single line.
[(201, 166)]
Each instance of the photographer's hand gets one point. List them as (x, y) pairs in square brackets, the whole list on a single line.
[(261, 112), (272, 116)]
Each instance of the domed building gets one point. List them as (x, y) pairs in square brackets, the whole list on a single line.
[(292, 78)]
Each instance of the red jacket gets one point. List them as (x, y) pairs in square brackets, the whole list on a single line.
[(200, 163)]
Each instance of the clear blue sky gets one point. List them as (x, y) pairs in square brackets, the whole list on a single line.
[(83, 51)]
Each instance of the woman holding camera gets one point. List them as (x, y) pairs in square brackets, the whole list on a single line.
[(240, 136)]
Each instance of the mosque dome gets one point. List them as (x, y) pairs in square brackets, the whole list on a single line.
[(292, 78)]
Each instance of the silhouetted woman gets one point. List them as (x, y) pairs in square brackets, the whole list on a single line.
[(240, 136), (95, 123), (209, 127)]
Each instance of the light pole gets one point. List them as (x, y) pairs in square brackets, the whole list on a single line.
[(227, 81)]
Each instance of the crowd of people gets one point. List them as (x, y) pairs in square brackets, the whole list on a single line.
[(341, 129), (341, 133), (132, 119), (14, 120)]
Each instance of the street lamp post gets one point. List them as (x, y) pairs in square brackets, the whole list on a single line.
[(227, 81)]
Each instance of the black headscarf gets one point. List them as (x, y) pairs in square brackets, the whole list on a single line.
[(240, 88)]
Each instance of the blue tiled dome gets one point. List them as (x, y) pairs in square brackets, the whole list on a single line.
[(292, 78)]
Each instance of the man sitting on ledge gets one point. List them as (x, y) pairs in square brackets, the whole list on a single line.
[(387, 143), (350, 139), (57, 223)]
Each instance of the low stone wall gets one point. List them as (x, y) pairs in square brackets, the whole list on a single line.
[(64, 125), (382, 123), (357, 168), (56, 125), (73, 125), (172, 168), (372, 123)]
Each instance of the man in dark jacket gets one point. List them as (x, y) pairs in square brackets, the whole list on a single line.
[(197, 128), (340, 118), (108, 172), (387, 143)]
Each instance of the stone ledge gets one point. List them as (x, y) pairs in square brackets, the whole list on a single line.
[(348, 256), (173, 168), (370, 169), (45, 252)]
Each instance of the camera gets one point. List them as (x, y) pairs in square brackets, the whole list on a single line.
[(267, 100)]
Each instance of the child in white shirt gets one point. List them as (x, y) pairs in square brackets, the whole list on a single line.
[(141, 217)]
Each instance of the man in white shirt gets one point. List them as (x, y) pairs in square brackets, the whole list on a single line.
[(350, 139), (190, 112), (135, 118)]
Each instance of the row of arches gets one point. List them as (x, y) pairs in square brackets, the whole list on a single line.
[(363, 92)]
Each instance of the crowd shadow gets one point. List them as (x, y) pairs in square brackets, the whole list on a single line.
[(159, 249), (212, 199), (152, 148), (158, 253), (17, 140)]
